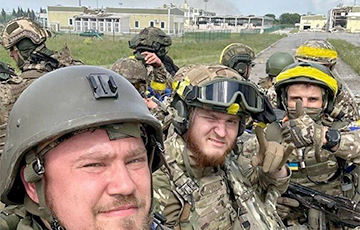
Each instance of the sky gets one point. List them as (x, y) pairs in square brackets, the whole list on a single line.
[(221, 7)]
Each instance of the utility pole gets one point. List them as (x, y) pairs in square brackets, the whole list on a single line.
[(206, 1), (79, 2)]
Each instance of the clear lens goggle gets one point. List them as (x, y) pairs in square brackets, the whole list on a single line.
[(224, 92)]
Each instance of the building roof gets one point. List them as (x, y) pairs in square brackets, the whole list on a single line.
[(313, 17), (173, 11), (66, 8)]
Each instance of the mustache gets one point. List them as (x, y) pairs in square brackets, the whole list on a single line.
[(120, 201)]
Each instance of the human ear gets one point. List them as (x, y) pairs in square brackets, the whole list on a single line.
[(29, 187)]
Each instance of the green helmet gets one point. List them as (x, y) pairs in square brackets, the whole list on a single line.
[(64, 101), (151, 39), (318, 51), (20, 28), (277, 62), (306, 72), (239, 57)]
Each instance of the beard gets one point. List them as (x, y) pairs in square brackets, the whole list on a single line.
[(128, 223), (201, 158)]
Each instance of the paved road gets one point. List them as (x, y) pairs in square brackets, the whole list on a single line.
[(293, 41)]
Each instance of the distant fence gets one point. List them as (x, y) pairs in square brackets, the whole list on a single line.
[(205, 36)]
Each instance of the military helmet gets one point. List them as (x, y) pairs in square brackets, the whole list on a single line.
[(217, 88), (277, 62), (132, 69), (318, 51), (150, 39), (237, 56), (66, 100), (306, 72), (20, 28)]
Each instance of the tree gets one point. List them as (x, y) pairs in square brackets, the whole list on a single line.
[(271, 16), (3, 15), (289, 18)]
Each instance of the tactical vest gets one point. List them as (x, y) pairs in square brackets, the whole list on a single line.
[(222, 199), (327, 175)]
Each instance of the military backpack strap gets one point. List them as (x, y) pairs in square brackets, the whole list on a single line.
[(11, 216)]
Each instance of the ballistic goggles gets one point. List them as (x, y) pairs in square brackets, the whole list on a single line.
[(232, 94)]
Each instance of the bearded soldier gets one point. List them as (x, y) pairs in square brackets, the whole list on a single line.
[(201, 186)]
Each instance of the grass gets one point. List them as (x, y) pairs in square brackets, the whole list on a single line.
[(348, 52), (183, 51)]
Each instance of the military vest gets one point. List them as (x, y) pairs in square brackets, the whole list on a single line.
[(222, 199), (325, 175)]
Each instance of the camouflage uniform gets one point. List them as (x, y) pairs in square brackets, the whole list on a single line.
[(143, 77), (313, 166), (31, 68), (185, 200)]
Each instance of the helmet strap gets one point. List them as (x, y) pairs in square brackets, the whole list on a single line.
[(33, 173)]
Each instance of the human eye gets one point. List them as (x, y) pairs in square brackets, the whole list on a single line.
[(137, 160), (232, 122), (93, 164)]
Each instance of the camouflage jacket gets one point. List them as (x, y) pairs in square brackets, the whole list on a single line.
[(11, 89), (15, 217), (203, 200), (349, 151)]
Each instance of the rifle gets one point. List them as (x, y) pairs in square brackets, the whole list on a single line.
[(341, 210)]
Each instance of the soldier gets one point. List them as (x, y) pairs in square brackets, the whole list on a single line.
[(322, 52), (151, 46), (201, 185), (26, 41), (324, 150), (239, 57), (136, 73), (274, 65), (79, 155)]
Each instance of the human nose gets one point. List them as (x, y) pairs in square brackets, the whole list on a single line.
[(220, 128), (120, 182), (305, 102)]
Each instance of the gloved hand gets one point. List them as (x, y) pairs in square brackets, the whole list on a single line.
[(302, 131), (284, 206), (272, 155)]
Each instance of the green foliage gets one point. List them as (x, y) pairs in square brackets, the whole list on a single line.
[(348, 52), (289, 18), (271, 16), (184, 52)]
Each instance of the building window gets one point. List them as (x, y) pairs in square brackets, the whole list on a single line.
[(101, 27), (78, 25), (137, 24), (71, 22), (93, 25), (85, 26), (162, 25), (151, 23)]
